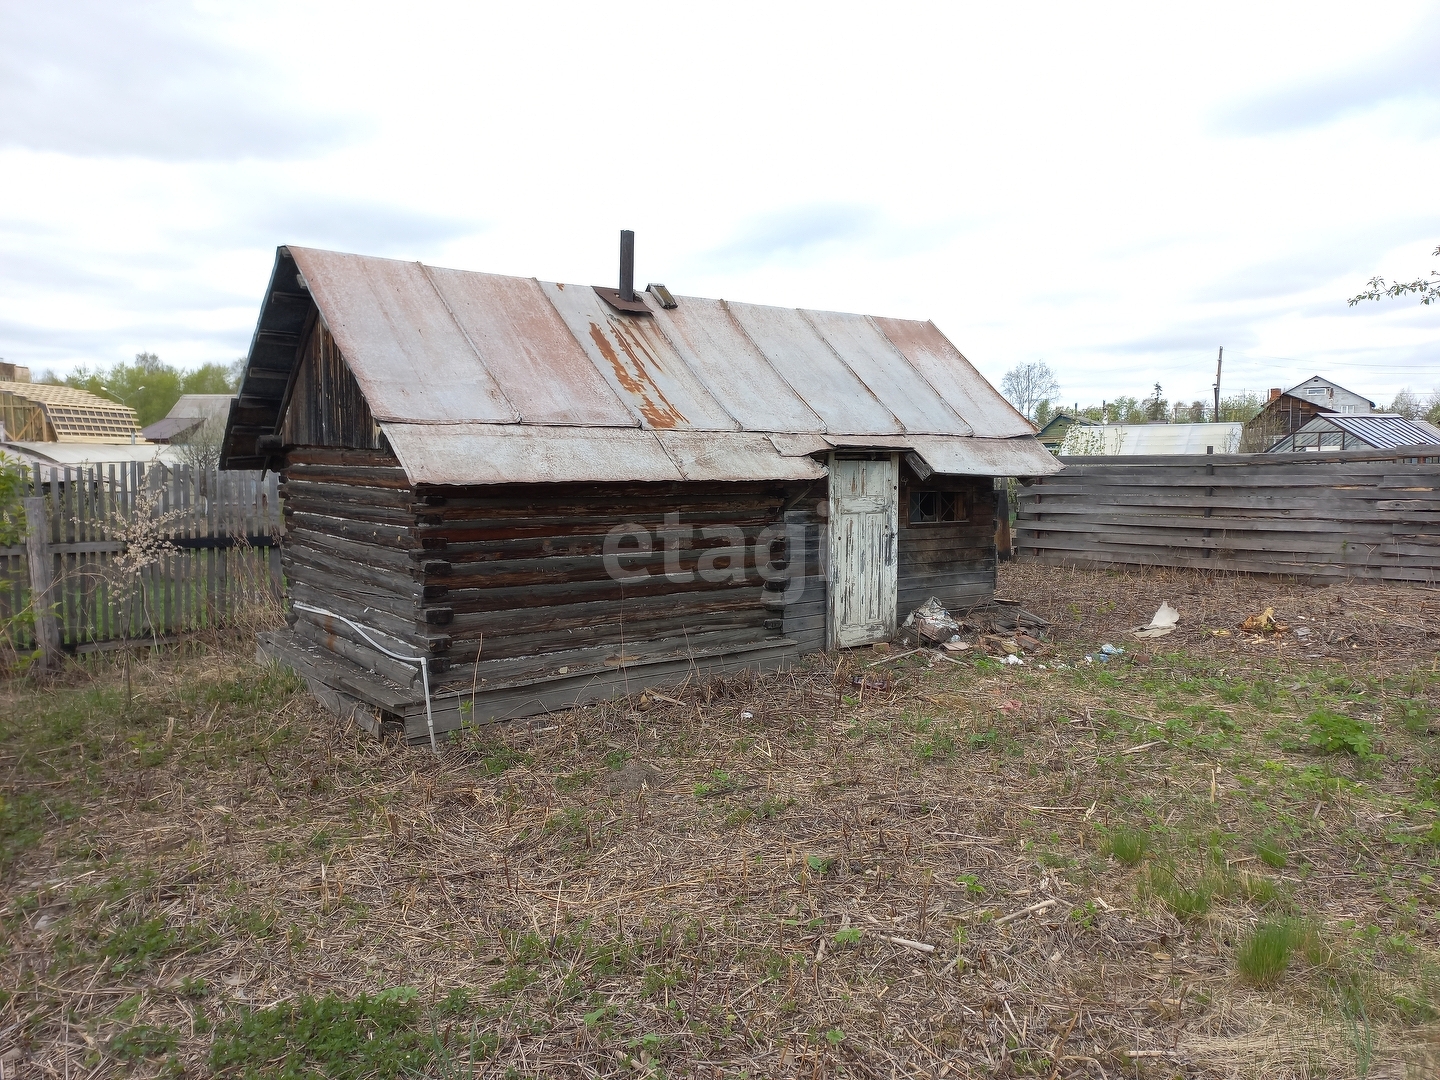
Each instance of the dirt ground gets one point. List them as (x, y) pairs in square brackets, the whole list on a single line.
[(1213, 854)]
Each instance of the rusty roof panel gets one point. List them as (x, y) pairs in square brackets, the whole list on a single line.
[(638, 362), (955, 378), (706, 455), (407, 352), (732, 368), (530, 352), (464, 454), (902, 389), (811, 367)]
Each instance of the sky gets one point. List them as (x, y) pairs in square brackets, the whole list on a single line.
[(1117, 190)]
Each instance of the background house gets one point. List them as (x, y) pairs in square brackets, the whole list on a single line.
[(188, 415), (1331, 396), (554, 493), (1284, 413), (1052, 435)]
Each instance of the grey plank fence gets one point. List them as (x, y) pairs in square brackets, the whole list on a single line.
[(1358, 515), (223, 530)]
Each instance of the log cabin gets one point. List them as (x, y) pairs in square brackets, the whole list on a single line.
[(506, 496)]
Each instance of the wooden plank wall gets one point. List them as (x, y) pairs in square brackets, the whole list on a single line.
[(953, 561), (224, 527), (327, 407), (1361, 515)]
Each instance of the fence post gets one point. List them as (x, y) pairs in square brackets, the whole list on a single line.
[(42, 580)]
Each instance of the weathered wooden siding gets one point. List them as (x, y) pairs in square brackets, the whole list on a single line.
[(1365, 515), (508, 592), (953, 561), (326, 406)]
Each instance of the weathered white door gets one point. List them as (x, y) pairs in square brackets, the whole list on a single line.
[(863, 523)]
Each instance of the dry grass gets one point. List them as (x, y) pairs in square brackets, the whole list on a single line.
[(754, 900)]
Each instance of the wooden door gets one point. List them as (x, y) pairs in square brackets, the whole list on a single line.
[(863, 523)]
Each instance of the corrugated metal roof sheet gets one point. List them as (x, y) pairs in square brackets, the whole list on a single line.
[(1127, 439), (478, 378), (1383, 431)]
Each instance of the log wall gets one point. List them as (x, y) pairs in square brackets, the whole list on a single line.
[(1362, 515), (953, 561)]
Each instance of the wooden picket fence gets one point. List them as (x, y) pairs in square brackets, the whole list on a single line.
[(1364, 515), (220, 533)]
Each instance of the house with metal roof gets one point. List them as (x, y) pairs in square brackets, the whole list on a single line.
[(506, 495), (1373, 431), (189, 414)]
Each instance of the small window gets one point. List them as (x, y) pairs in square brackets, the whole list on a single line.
[(935, 506)]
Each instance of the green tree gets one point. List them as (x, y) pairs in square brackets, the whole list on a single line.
[(1428, 289), (13, 489), (150, 386), (1241, 407), (1156, 407)]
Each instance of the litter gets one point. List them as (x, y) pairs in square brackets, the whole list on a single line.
[(1161, 623), (1264, 623), (956, 645), (1011, 658), (932, 622), (1107, 651)]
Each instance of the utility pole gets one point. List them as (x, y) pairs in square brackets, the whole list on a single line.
[(1218, 361)]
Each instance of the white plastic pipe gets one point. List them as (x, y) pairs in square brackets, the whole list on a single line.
[(419, 661)]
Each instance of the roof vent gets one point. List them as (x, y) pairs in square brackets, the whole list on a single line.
[(627, 265), (661, 293), (624, 298)]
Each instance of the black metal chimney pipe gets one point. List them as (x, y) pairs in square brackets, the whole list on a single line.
[(627, 265)]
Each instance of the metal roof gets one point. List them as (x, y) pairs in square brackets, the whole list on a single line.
[(1127, 439), (1383, 431), (481, 378), (61, 454)]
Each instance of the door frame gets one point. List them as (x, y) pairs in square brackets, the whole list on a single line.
[(890, 564)]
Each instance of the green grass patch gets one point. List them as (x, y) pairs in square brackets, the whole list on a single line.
[(1127, 845), (333, 1038), (1266, 952)]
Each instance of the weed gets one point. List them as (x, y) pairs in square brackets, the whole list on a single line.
[(720, 782), (1270, 853), (1185, 901), (938, 747), (1264, 955), (575, 781), (1415, 716), (848, 936), (1333, 733), (369, 1036), (144, 1041), (132, 947), (1127, 845), (973, 888), (835, 1036), (616, 758), (1084, 915)]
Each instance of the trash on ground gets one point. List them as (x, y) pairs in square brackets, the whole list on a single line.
[(1264, 623), (871, 681), (1011, 658), (932, 622), (955, 645), (1107, 651), (1162, 623)]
